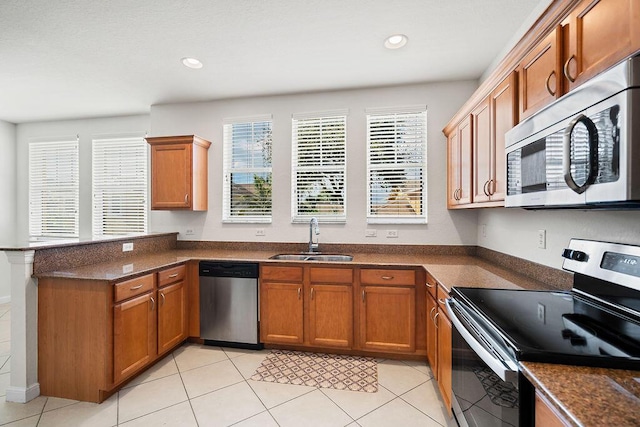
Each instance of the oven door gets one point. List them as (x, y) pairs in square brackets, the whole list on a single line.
[(488, 389)]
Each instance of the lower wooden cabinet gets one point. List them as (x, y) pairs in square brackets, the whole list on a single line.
[(546, 414), (281, 313), (134, 335), (432, 333), (444, 358), (94, 335), (387, 318), (331, 316)]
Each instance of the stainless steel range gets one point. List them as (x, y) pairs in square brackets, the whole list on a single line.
[(597, 323)]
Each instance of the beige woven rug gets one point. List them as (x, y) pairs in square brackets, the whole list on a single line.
[(352, 373)]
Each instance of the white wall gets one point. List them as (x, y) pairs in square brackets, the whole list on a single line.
[(8, 197), (86, 129), (515, 231), (205, 119)]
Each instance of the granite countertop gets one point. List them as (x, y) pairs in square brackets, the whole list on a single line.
[(589, 397), (448, 270)]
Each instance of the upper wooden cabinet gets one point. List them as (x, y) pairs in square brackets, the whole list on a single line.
[(601, 33), (459, 164), (179, 174), (540, 74)]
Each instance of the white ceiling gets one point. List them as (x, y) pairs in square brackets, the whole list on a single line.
[(73, 59)]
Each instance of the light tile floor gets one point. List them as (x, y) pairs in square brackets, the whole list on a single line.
[(210, 386)]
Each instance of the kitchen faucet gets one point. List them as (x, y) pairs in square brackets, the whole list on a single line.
[(313, 247)]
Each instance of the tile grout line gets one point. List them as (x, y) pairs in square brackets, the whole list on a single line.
[(418, 409), (185, 390)]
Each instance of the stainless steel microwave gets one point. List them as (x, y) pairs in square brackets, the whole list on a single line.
[(583, 150)]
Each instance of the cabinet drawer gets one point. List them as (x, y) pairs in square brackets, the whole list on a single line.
[(289, 274), (432, 285), (442, 296), (331, 275), (133, 287), (171, 275), (387, 277)]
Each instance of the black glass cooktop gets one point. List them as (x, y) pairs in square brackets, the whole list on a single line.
[(558, 327)]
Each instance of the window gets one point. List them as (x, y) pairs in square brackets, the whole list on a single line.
[(119, 185), (319, 167), (53, 188), (247, 170), (396, 165)]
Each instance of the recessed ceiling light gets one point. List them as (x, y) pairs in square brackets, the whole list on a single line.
[(191, 63), (395, 41)]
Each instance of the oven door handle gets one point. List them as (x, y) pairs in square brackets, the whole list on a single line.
[(505, 368)]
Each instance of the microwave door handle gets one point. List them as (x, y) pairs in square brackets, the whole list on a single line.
[(593, 153), (507, 370)]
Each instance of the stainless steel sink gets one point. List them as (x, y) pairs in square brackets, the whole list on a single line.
[(313, 257)]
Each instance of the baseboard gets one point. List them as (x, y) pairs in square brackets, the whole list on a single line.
[(5, 300), (21, 394)]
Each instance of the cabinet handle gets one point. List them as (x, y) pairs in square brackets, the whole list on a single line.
[(363, 295), (485, 190), (162, 295), (434, 319), (387, 277), (186, 199), (492, 187), (456, 194), (311, 293), (441, 301), (153, 304), (431, 312), (133, 288), (429, 285), (566, 69), (546, 83), (173, 275), (298, 293)]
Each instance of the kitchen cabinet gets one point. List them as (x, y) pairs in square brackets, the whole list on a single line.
[(432, 330), (482, 151), (540, 73), (387, 310), (601, 33), (444, 356), (310, 306), (459, 166), (504, 116), (179, 172), (331, 307), (93, 335), (546, 414), (172, 308), (281, 305)]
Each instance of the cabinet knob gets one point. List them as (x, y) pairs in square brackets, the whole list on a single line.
[(567, 73)]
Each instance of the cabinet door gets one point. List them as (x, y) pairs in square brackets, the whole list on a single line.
[(172, 316), (601, 33), (540, 74), (459, 164), (281, 310), (482, 151), (453, 168), (432, 334), (387, 318), (546, 414), (444, 358), (171, 176), (504, 116), (331, 316), (134, 342)]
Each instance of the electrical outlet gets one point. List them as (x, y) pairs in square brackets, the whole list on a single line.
[(542, 239), (392, 234), (370, 233), (127, 247), (541, 312), (127, 268), (260, 232), (188, 232), (483, 228)]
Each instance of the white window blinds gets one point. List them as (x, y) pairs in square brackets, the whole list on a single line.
[(119, 186), (319, 167), (247, 170), (397, 165), (53, 188)]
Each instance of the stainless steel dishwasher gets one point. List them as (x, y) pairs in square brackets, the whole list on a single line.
[(229, 304)]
